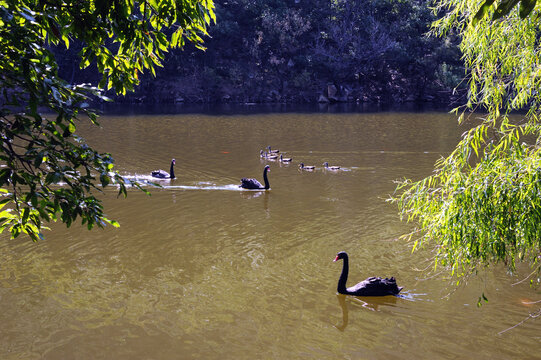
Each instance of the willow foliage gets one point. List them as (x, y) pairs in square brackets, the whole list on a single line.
[(482, 204)]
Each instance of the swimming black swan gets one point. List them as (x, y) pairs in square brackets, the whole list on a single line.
[(373, 286), (254, 184), (272, 151), (326, 164), (160, 174), (306, 167)]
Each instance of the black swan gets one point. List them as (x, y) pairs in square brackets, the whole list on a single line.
[(306, 167), (326, 164), (254, 184), (160, 174), (373, 286), (272, 151), (283, 159)]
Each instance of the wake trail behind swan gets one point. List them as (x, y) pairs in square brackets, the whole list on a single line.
[(147, 180)]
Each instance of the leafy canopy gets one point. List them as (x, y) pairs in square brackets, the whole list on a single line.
[(47, 172), (482, 204)]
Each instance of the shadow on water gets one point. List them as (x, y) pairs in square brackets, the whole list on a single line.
[(372, 303), (375, 303), (252, 108)]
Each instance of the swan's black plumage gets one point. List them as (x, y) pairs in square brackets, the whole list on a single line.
[(160, 174), (373, 286), (254, 184)]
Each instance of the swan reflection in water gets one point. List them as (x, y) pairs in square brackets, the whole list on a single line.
[(372, 303), (252, 194), (255, 194)]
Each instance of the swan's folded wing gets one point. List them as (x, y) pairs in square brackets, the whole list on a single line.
[(160, 174), (375, 286), (250, 183)]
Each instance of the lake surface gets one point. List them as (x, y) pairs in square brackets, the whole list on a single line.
[(203, 270)]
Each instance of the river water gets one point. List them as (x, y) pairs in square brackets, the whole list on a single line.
[(203, 270)]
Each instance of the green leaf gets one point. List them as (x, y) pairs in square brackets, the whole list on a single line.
[(504, 8), (114, 223), (526, 7), (105, 180), (53, 178), (482, 298), (176, 37), (66, 41), (4, 175), (26, 213), (71, 127)]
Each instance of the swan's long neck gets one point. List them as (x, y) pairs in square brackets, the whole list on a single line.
[(343, 277), (172, 170), (266, 179)]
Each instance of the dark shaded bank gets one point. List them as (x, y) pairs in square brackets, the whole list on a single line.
[(303, 52)]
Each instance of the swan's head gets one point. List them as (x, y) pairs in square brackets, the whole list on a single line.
[(267, 168), (326, 164), (301, 165), (173, 162), (341, 255)]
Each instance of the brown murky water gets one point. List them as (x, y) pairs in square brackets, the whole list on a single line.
[(203, 270)]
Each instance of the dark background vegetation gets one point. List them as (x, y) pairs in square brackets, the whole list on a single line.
[(303, 51)]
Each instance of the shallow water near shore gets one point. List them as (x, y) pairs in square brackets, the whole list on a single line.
[(203, 269)]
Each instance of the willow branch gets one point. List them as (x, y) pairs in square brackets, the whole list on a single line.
[(527, 277), (530, 316)]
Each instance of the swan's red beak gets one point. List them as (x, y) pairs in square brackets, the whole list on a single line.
[(336, 258)]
